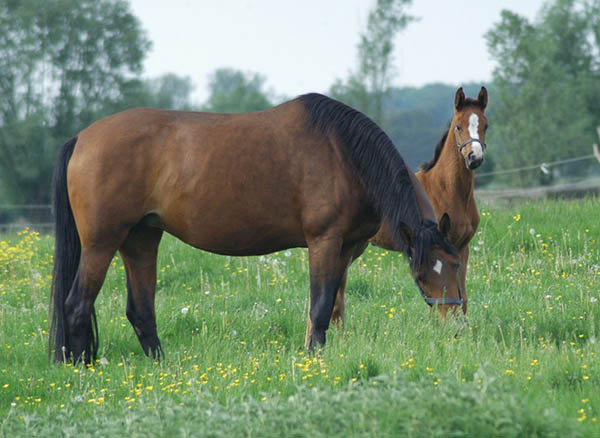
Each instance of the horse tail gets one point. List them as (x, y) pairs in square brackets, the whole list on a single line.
[(67, 252)]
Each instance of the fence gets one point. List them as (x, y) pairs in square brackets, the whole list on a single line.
[(586, 187), (17, 217), (39, 217)]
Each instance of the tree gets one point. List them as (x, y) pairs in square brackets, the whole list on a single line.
[(63, 63), (547, 101), (170, 91), (233, 91), (366, 88)]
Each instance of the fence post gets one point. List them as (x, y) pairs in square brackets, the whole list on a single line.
[(595, 146)]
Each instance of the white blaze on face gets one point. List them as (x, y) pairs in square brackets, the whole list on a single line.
[(438, 267), (474, 133)]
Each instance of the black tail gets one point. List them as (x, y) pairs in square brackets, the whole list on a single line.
[(67, 252)]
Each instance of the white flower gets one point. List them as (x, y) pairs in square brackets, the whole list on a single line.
[(287, 253), (13, 404), (548, 297), (593, 300), (261, 259), (103, 361), (185, 310), (206, 292), (481, 242), (531, 231), (475, 248)]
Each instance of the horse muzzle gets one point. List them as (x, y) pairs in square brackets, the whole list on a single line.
[(473, 162)]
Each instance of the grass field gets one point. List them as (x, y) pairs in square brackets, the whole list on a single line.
[(233, 334)]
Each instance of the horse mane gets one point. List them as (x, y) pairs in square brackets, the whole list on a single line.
[(428, 165), (381, 170)]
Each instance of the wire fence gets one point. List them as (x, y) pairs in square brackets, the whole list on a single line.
[(543, 167), (14, 217)]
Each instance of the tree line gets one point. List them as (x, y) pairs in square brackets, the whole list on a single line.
[(66, 63)]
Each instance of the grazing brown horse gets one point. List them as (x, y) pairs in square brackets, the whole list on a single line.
[(448, 180), (311, 172)]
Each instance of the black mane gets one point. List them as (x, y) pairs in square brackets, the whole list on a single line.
[(382, 172), (428, 165)]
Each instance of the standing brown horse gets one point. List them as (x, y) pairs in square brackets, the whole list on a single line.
[(448, 180), (311, 172)]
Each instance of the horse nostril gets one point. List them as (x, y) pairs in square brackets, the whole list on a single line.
[(470, 156)]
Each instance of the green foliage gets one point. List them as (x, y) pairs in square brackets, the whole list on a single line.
[(62, 62), (383, 407), (366, 88), (171, 92), (527, 365), (233, 91), (547, 85)]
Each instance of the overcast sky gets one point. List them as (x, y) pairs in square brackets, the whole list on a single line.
[(303, 46)]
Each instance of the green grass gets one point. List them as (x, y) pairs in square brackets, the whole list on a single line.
[(527, 365)]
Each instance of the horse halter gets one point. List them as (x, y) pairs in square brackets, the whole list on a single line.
[(448, 301), (470, 140)]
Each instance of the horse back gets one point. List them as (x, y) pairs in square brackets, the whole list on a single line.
[(229, 183)]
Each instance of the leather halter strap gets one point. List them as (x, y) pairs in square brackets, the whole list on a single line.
[(440, 301), (462, 145)]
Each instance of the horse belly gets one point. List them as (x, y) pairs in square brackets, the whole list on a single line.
[(237, 235), (236, 216)]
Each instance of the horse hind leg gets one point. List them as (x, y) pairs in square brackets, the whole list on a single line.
[(81, 329), (139, 252)]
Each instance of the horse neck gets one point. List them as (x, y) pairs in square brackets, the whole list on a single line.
[(384, 236), (450, 171)]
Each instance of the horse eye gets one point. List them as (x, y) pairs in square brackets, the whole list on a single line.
[(457, 128)]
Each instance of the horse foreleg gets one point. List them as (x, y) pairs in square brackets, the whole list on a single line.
[(328, 261), (338, 313), (338, 316), (462, 274), (139, 252)]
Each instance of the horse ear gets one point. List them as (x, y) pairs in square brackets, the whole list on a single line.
[(407, 235), (482, 99), (444, 225), (459, 99)]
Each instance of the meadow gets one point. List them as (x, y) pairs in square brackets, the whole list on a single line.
[(233, 333)]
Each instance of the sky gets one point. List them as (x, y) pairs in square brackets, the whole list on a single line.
[(304, 46)]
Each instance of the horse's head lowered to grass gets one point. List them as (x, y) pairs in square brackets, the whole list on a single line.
[(434, 265)]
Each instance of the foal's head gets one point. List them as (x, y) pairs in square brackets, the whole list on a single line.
[(469, 125), (434, 264)]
